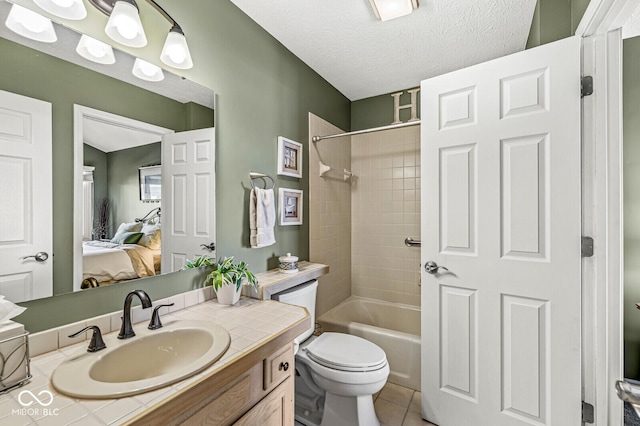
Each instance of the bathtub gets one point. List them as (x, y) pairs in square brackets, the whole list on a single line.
[(392, 326)]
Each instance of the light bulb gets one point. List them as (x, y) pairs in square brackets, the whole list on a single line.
[(147, 71), (67, 9), (29, 24), (95, 50), (175, 51), (124, 25)]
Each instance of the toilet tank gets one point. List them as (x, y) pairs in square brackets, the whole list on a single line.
[(301, 295)]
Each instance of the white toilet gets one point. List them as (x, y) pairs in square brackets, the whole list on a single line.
[(336, 373)]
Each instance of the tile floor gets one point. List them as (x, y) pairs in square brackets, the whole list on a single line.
[(398, 406)]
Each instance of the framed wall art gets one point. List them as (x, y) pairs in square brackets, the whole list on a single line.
[(150, 183), (290, 204), (289, 157)]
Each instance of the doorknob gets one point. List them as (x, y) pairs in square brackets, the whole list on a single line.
[(210, 247), (432, 267), (41, 256)]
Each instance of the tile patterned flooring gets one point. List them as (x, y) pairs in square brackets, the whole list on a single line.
[(398, 406)]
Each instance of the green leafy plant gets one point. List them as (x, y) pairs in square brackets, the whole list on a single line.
[(199, 261), (228, 272)]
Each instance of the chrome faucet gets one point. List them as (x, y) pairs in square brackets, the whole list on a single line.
[(126, 330)]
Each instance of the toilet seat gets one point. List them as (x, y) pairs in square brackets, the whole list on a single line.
[(345, 352)]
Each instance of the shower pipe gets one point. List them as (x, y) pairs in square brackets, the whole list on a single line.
[(360, 132)]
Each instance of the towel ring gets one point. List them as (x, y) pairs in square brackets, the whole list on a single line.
[(256, 175)]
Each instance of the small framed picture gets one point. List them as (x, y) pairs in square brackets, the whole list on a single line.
[(290, 203), (150, 183), (289, 157)]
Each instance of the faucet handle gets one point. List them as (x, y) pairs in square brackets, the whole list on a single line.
[(96, 344), (155, 323)]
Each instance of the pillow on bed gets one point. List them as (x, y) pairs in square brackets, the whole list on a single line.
[(127, 238), (151, 237), (128, 227)]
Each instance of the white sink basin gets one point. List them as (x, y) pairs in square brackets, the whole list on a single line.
[(150, 360)]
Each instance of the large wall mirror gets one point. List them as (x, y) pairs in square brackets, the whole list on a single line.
[(107, 130)]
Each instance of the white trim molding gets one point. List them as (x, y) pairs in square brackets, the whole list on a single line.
[(602, 283)]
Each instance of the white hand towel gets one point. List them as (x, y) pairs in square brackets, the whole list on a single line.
[(262, 217)]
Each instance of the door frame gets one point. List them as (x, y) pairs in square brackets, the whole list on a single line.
[(602, 208), (80, 113)]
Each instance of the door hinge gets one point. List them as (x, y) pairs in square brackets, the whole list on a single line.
[(587, 413), (586, 86), (587, 247)]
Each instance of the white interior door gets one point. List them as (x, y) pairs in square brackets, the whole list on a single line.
[(188, 196), (25, 190), (501, 210)]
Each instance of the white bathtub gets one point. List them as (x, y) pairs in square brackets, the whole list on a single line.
[(392, 326)]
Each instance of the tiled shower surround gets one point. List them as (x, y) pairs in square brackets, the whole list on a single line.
[(330, 214), (385, 209), (358, 227)]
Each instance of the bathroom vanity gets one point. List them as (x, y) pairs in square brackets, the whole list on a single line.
[(252, 380)]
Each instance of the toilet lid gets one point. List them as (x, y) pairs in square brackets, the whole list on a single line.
[(346, 352)]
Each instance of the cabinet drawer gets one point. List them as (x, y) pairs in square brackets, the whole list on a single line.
[(278, 366)]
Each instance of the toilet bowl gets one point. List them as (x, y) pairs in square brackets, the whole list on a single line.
[(337, 373)]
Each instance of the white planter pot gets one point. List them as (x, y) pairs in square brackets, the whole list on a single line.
[(228, 295)]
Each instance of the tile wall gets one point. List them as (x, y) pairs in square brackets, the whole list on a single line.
[(330, 214), (385, 208)]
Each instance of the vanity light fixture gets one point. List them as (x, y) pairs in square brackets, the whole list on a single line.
[(68, 9), (125, 27), (391, 9), (95, 50), (30, 24), (147, 71)]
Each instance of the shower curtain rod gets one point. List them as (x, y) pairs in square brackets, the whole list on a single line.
[(359, 132)]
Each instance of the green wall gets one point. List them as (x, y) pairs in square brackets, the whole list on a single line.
[(263, 91), (631, 179), (124, 187)]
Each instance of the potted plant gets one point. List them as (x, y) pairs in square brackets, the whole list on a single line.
[(227, 280)]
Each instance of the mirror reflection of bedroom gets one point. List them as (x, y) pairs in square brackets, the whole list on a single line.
[(121, 190)]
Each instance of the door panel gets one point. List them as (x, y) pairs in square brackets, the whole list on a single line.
[(189, 198), (501, 210), (25, 191)]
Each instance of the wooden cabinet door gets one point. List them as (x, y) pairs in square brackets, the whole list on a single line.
[(276, 409)]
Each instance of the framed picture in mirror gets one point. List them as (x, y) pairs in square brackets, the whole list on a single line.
[(150, 183), (289, 157)]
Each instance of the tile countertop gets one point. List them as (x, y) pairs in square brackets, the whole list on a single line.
[(251, 323), (274, 281)]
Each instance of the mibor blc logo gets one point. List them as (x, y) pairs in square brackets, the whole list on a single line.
[(35, 404)]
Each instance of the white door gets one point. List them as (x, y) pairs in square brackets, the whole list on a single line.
[(188, 196), (25, 198), (501, 210)]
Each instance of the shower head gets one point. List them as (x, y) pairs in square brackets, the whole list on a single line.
[(323, 168)]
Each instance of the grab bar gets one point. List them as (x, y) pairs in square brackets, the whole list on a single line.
[(410, 242)]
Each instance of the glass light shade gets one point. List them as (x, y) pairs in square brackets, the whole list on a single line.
[(175, 52), (391, 9), (124, 25), (29, 24), (67, 9), (146, 71), (95, 50)]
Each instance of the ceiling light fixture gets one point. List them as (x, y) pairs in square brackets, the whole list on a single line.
[(68, 9), (147, 71), (125, 27), (391, 9), (29, 24), (95, 50)]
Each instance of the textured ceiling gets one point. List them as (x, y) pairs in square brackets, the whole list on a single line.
[(632, 27), (363, 57)]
